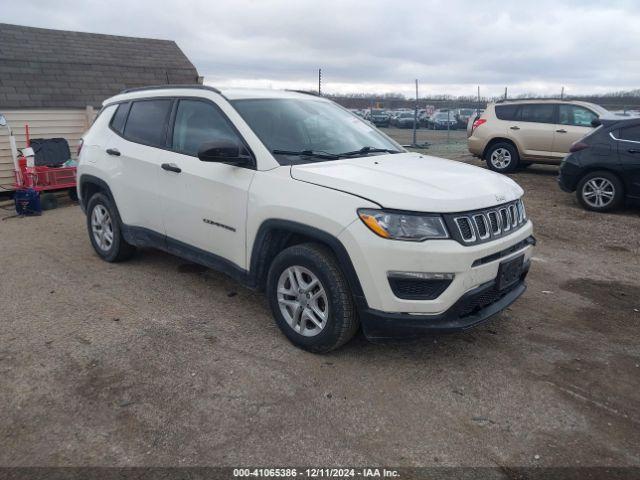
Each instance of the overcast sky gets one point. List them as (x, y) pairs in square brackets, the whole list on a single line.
[(377, 46)]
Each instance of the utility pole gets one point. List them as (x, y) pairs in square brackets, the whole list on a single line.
[(415, 116), (505, 93), (319, 81), (478, 99), (562, 93)]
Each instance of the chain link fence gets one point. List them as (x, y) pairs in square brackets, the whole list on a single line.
[(443, 122)]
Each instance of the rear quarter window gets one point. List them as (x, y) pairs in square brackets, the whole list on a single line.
[(117, 122), (508, 112)]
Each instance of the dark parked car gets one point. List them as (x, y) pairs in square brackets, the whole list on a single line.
[(404, 120), (443, 121), (462, 116), (379, 118), (603, 168)]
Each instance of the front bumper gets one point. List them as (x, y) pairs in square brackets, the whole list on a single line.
[(473, 308), (474, 265)]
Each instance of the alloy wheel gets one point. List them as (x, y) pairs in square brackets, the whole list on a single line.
[(303, 301), (598, 192), (102, 227), (501, 158)]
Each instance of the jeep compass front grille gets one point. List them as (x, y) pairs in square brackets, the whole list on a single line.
[(487, 224)]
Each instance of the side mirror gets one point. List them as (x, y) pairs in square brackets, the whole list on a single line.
[(596, 122), (223, 151), (3, 121)]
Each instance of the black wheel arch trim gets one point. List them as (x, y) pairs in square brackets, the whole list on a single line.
[(259, 264), (87, 179)]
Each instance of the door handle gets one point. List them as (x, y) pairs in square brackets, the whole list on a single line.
[(562, 130), (515, 127), (171, 167), (113, 151), (633, 150)]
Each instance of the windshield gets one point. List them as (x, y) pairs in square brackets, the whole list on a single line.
[(406, 115), (378, 112), (314, 125)]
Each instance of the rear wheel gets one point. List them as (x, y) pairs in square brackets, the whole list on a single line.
[(600, 191), (502, 157), (310, 298), (105, 233)]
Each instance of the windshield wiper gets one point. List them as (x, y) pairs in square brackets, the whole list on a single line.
[(307, 153), (366, 150)]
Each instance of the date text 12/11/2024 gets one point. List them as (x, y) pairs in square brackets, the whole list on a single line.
[(315, 472)]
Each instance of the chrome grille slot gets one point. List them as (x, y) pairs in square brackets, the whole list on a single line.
[(505, 218), (514, 214), (482, 226), (521, 213), (494, 221), (466, 229)]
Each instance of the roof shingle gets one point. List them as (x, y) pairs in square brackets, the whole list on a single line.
[(54, 68)]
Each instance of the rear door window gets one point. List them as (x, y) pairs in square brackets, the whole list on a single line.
[(538, 113), (147, 122), (630, 133), (508, 112), (574, 115)]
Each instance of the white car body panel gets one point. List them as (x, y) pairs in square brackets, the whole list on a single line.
[(411, 181)]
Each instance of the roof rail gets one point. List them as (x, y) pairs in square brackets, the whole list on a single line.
[(529, 99), (306, 92), (164, 87)]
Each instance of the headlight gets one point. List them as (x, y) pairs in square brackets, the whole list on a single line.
[(414, 227)]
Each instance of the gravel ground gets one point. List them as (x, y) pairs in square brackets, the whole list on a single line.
[(161, 362)]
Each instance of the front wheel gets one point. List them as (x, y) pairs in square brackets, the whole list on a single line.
[(600, 191), (310, 298), (502, 157)]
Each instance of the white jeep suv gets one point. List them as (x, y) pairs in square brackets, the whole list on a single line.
[(291, 194)]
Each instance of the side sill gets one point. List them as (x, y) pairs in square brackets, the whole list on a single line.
[(143, 237)]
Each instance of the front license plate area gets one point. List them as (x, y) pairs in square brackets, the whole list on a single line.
[(509, 272)]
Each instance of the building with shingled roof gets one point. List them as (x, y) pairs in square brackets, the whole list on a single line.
[(55, 80)]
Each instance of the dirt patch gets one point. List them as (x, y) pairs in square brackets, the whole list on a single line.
[(610, 294), (191, 268)]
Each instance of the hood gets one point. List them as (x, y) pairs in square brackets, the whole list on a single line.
[(411, 181)]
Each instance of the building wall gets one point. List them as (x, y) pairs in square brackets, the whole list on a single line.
[(49, 123)]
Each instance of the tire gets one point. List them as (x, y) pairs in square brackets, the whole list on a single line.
[(306, 262), (600, 191), (113, 247), (48, 201), (502, 157), (73, 194)]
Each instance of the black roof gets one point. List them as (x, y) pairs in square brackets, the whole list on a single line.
[(54, 68)]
